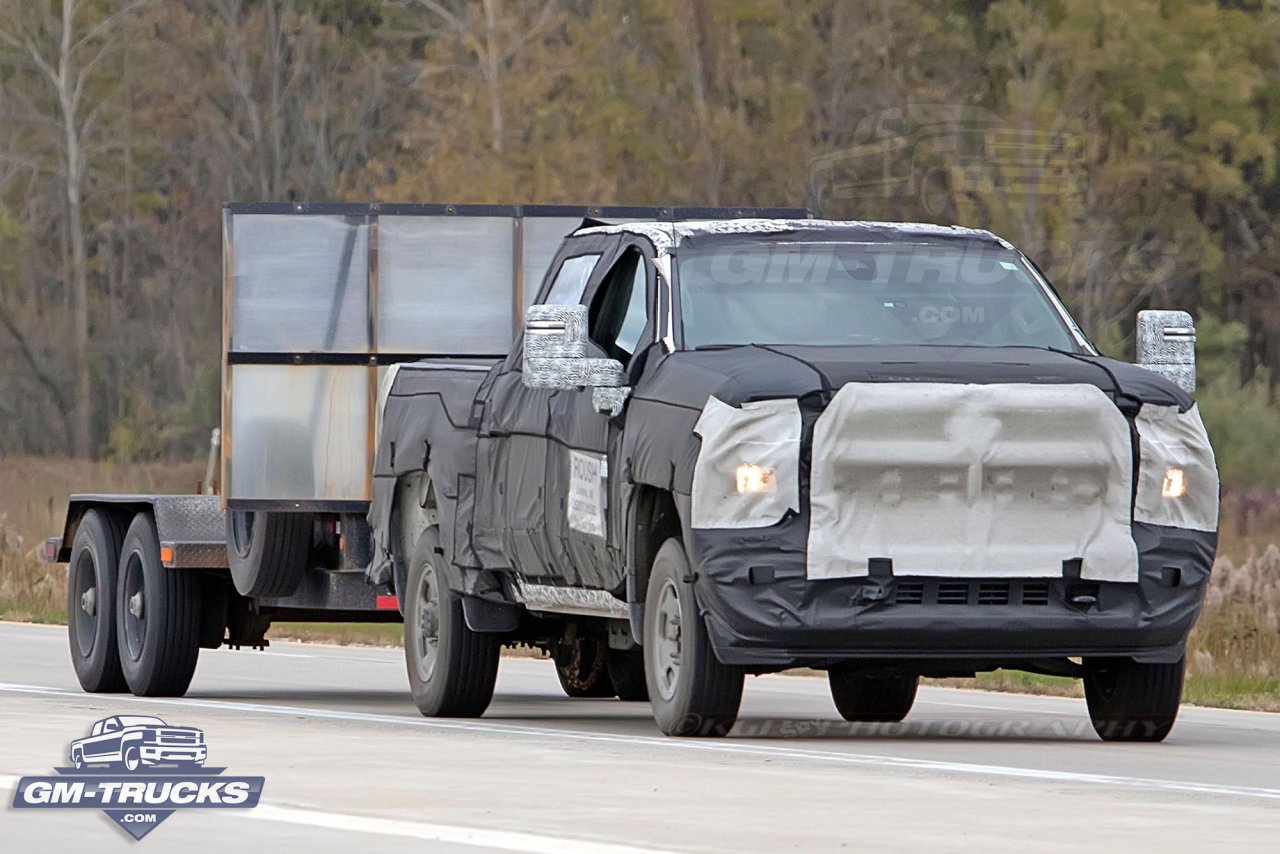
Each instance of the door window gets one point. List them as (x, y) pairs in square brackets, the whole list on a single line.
[(571, 281), (620, 310)]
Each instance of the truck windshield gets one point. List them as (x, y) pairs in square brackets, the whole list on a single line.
[(843, 293)]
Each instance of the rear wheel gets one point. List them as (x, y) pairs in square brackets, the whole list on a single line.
[(157, 616), (583, 670), (1132, 701), (691, 692), (870, 698), (91, 602), (452, 669)]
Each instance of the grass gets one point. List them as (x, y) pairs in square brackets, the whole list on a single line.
[(1233, 655)]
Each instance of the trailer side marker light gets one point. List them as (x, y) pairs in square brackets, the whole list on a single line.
[(387, 603), (166, 554)]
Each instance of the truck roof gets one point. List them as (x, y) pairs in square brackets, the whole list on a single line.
[(666, 236)]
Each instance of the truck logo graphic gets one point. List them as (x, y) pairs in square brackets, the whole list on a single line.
[(133, 741), (138, 770)]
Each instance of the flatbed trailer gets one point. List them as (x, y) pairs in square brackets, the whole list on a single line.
[(320, 302)]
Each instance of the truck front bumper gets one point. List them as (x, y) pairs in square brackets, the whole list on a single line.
[(763, 612), (156, 753)]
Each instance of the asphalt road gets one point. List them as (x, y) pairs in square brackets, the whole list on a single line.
[(350, 764)]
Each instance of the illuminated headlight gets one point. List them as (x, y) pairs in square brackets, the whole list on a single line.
[(1177, 476), (754, 478), (1175, 483), (747, 474)]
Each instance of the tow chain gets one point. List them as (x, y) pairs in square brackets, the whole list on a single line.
[(575, 666)]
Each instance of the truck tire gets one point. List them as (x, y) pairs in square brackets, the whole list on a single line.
[(268, 552), (690, 691), (91, 602), (157, 616), (452, 669), (584, 671), (1132, 701), (626, 672), (873, 699)]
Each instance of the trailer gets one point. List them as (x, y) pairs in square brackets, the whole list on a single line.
[(321, 303)]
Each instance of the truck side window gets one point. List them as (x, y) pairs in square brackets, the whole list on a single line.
[(619, 311), (571, 281)]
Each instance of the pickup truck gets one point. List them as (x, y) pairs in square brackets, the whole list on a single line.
[(132, 741), (718, 444), (881, 450)]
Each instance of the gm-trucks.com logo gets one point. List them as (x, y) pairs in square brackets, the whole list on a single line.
[(139, 771)]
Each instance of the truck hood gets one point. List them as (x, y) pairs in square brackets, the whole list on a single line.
[(754, 372)]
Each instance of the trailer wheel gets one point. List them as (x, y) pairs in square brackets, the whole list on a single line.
[(91, 602), (874, 699), (1132, 701), (452, 669), (691, 692), (268, 552), (626, 672), (157, 616)]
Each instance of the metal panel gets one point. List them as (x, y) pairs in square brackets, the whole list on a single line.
[(300, 432), (300, 283)]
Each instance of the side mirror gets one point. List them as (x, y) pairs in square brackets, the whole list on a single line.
[(1167, 346), (555, 356)]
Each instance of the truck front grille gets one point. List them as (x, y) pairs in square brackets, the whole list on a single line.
[(922, 591)]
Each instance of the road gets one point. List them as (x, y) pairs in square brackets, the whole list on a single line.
[(349, 763)]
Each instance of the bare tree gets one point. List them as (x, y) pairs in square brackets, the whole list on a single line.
[(68, 46)]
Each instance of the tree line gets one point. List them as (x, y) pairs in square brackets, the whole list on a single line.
[(1128, 145)]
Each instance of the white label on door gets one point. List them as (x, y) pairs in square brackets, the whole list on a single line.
[(586, 493)]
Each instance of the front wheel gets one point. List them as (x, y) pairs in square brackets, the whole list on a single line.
[(1132, 701), (132, 759), (452, 669), (691, 692), (871, 698)]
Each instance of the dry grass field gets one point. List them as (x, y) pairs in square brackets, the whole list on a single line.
[(1233, 659)]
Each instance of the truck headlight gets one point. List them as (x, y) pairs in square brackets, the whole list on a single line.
[(754, 478), (747, 474), (1177, 474), (1175, 483)]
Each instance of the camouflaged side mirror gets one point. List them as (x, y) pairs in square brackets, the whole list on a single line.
[(1167, 346), (555, 347)]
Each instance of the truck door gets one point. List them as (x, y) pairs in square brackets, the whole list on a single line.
[(578, 464), (511, 455)]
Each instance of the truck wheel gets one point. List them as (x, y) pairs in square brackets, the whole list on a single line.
[(875, 699), (132, 759), (157, 616), (268, 552), (626, 672), (584, 672), (691, 692), (91, 602), (452, 669), (1131, 701)]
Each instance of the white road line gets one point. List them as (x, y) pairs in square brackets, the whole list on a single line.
[(689, 745), (503, 840)]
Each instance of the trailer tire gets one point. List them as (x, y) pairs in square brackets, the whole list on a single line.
[(268, 552), (91, 602), (157, 616), (452, 670), (872, 699), (1132, 701), (690, 691)]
